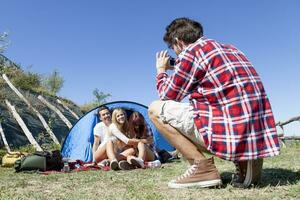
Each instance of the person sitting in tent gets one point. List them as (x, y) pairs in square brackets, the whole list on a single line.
[(101, 135), (120, 146), (145, 149)]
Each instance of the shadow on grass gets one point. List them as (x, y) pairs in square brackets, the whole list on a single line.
[(270, 177)]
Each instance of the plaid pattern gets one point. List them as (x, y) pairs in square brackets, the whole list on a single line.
[(231, 108)]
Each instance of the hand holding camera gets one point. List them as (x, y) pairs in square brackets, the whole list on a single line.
[(164, 62)]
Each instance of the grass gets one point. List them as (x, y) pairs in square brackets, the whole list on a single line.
[(280, 180)]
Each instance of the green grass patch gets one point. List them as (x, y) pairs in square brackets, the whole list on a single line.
[(280, 180)]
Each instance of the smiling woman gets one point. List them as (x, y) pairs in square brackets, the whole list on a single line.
[(78, 143)]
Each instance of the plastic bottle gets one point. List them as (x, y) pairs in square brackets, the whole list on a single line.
[(66, 167)]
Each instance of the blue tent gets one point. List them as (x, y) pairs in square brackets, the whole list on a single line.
[(79, 142)]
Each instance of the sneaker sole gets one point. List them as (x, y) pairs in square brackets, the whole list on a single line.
[(124, 165), (136, 163), (202, 184), (253, 175), (114, 166)]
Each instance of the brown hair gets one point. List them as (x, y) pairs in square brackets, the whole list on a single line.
[(137, 120), (185, 29)]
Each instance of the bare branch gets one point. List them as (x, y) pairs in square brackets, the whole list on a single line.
[(288, 121)]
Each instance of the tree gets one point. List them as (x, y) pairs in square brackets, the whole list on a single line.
[(100, 97), (3, 41), (54, 82)]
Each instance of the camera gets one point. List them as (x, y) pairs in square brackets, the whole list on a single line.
[(172, 61)]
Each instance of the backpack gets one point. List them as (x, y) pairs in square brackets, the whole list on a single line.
[(10, 158), (40, 161), (164, 156)]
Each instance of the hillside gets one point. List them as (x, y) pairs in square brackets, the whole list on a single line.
[(29, 85)]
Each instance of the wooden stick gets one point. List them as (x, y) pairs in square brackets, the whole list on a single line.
[(41, 118), (290, 138), (4, 139), (23, 126), (61, 116), (67, 108), (288, 121)]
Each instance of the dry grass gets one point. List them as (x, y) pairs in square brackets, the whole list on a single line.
[(281, 180)]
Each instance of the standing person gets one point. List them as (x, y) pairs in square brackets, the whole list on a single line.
[(229, 114), (120, 146), (101, 134), (145, 149)]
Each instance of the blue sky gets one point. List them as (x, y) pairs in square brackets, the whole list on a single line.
[(111, 45)]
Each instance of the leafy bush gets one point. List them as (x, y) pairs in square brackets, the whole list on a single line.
[(100, 98), (3, 41), (88, 106), (27, 81), (27, 148), (2, 153), (2, 84), (50, 146), (54, 82)]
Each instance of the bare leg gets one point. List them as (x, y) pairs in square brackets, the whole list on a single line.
[(126, 153), (188, 149), (142, 150), (100, 154), (110, 150), (145, 152), (150, 156)]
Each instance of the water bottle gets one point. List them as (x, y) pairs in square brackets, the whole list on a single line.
[(66, 167)]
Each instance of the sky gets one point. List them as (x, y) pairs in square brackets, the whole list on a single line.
[(111, 45)]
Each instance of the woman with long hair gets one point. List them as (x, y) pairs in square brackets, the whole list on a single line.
[(120, 146), (138, 129)]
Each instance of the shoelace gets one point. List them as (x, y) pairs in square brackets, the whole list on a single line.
[(190, 171)]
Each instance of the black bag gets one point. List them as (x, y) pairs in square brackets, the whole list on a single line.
[(53, 159), (164, 156), (40, 161)]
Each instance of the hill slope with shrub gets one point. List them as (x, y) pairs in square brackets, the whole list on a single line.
[(30, 85)]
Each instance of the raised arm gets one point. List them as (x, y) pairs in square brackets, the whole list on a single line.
[(183, 81)]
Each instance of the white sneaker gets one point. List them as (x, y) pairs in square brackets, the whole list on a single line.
[(104, 163), (138, 162)]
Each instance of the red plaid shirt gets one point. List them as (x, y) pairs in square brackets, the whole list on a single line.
[(231, 109)]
